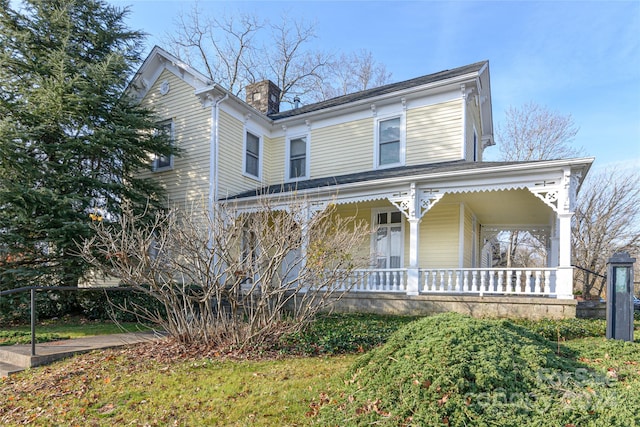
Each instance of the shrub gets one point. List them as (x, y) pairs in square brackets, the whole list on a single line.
[(565, 329), (458, 371), (124, 305)]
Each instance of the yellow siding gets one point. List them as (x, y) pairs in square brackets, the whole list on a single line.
[(434, 133), (439, 236), (468, 237), (231, 143), (361, 211), (473, 118), (354, 143), (276, 161), (188, 181)]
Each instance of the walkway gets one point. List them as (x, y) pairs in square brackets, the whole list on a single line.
[(16, 358)]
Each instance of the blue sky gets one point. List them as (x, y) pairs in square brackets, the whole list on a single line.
[(574, 57)]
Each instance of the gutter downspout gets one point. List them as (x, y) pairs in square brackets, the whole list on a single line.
[(463, 90), (214, 152)]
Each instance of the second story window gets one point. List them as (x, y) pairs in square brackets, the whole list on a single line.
[(252, 155), (298, 157), (389, 142), (160, 162)]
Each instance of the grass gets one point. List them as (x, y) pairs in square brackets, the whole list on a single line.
[(115, 388), (126, 387), (58, 329)]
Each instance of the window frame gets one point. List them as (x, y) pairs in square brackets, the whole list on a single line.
[(245, 152), (401, 141), (156, 167), (375, 212), (307, 164)]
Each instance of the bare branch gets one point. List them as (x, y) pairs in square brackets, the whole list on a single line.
[(232, 277), (532, 132)]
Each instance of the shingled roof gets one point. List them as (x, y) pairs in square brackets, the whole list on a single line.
[(372, 175), (382, 90)]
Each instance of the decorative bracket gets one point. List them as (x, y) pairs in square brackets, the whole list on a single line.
[(373, 110), (548, 192), (416, 202)]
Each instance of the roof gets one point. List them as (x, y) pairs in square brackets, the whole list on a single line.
[(382, 90), (374, 175)]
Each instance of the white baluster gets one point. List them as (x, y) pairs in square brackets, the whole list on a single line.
[(500, 281), (538, 274), (547, 283), (474, 281), (518, 281)]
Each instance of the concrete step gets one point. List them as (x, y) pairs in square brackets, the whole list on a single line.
[(17, 358), (7, 369)]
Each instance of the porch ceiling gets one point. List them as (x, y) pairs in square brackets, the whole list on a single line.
[(507, 207)]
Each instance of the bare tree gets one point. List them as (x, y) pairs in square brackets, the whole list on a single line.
[(533, 132), (220, 47), (232, 277), (352, 73), (237, 51), (607, 220)]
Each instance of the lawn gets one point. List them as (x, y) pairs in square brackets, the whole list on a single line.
[(309, 373)]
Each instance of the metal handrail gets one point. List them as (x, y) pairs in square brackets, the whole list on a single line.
[(33, 290)]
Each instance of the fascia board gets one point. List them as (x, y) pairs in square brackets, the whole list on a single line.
[(156, 62), (455, 179), (339, 109)]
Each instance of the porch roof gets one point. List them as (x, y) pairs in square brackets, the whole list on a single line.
[(378, 175)]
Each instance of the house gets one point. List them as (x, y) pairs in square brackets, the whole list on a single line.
[(407, 156)]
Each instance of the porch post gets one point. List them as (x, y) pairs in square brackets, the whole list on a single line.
[(566, 203), (413, 272)]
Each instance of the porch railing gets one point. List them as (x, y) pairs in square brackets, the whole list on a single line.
[(505, 281), (376, 280), (472, 281)]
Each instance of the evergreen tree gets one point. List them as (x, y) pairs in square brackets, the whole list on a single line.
[(71, 141)]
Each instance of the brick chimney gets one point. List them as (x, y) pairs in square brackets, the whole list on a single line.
[(264, 96)]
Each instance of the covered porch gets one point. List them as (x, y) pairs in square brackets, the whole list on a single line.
[(434, 230)]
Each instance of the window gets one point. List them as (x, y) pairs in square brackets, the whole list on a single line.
[(390, 146), (164, 162), (388, 244), (252, 155), (475, 144), (297, 164)]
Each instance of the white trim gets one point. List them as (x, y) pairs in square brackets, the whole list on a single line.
[(287, 160), (376, 139), (249, 129), (461, 237)]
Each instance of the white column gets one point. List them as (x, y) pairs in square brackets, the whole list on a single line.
[(553, 257), (413, 274), (564, 276)]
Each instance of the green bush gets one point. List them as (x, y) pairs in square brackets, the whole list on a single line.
[(565, 329), (344, 333), (16, 308), (458, 371), (94, 304), (119, 305)]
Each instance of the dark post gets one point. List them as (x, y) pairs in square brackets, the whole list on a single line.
[(620, 297), (33, 321)]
